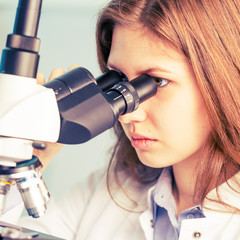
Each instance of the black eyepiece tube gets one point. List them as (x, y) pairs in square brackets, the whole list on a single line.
[(27, 17), (108, 79), (145, 86), (86, 110), (125, 97)]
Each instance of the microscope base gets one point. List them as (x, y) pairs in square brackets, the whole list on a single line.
[(13, 232)]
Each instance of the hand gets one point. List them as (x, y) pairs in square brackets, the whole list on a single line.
[(51, 149)]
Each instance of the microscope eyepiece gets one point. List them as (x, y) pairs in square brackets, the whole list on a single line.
[(132, 93)]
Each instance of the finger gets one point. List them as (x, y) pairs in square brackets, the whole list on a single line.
[(40, 78), (55, 73), (73, 66)]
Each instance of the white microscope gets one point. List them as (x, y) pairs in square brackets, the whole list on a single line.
[(62, 110)]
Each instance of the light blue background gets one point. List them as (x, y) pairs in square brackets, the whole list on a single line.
[(67, 33)]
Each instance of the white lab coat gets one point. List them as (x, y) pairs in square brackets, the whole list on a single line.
[(88, 213)]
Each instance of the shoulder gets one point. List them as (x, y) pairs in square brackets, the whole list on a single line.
[(228, 193)]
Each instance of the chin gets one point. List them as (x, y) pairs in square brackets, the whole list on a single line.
[(154, 164)]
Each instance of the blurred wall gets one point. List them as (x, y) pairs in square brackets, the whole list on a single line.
[(67, 33)]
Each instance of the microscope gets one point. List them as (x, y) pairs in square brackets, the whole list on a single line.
[(70, 109)]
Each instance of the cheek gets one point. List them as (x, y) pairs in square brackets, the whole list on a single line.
[(125, 127), (182, 122)]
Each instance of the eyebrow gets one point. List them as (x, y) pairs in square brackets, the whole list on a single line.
[(147, 70)]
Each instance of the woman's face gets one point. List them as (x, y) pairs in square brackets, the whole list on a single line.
[(172, 126)]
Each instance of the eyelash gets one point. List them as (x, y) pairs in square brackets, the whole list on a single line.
[(161, 82), (158, 80)]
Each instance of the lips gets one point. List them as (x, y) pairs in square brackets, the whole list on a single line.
[(141, 142)]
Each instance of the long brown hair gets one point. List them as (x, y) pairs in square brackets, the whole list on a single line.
[(208, 34)]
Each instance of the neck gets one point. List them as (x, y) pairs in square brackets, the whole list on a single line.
[(184, 178)]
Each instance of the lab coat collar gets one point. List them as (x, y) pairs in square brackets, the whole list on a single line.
[(211, 203), (210, 208)]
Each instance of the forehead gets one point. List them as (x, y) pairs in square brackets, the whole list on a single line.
[(135, 37), (136, 47)]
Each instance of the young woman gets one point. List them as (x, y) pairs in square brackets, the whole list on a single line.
[(174, 173)]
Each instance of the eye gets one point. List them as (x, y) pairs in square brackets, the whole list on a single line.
[(161, 82)]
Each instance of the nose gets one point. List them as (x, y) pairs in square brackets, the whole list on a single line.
[(136, 116)]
